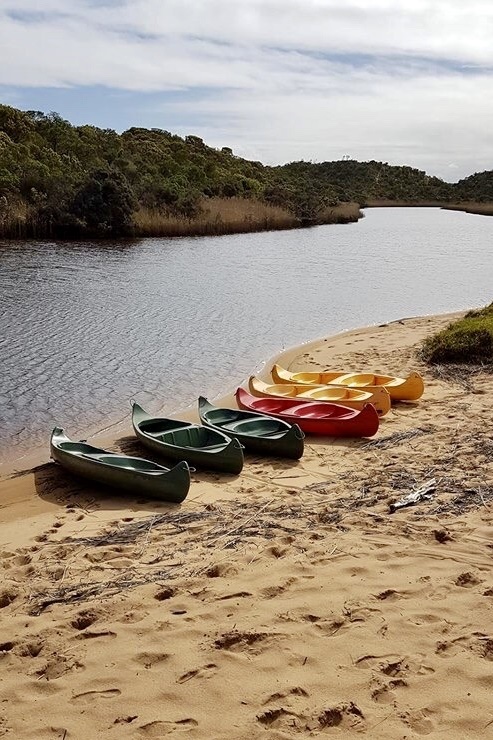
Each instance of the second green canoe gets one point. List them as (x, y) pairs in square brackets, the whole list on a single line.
[(200, 446)]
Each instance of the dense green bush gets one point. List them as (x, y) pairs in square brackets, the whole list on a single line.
[(469, 340)]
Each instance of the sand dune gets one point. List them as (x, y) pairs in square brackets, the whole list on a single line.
[(283, 602)]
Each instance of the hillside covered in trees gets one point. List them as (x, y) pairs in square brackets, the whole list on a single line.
[(74, 181)]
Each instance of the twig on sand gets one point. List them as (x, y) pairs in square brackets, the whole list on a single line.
[(423, 493)]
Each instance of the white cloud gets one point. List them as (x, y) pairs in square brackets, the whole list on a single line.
[(423, 122), (406, 81)]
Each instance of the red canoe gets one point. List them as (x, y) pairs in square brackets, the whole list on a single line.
[(317, 417)]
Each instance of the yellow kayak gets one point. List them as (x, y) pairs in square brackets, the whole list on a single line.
[(400, 389), (350, 397)]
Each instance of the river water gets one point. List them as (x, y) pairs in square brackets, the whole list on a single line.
[(84, 327)]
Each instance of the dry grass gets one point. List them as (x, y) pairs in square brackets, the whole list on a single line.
[(343, 213), (482, 209), (234, 215), (218, 216), (16, 219)]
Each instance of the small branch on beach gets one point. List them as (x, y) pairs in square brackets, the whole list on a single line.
[(423, 493)]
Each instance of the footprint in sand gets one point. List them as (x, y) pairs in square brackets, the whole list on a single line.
[(419, 721), (278, 695), (383, 693), (467, 580), (235, 595), (30, 647), (84, 619), (205, 671), (346, 716), (221, 569), (394, 665), (480, 644), (87, 697), (149, 659), (247, 641), (56, 667), (278, 717), (389, 595), (7, 596), (271, 591), (164, 593), (159, 728)]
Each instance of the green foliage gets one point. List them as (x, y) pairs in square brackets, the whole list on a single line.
[(469, 340), (478, 187), (55, 169), (104, 204)]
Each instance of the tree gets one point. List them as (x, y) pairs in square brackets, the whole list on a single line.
[(104, 204)]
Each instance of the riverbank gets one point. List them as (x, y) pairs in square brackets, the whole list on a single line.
[(213, 216), (289, 596)]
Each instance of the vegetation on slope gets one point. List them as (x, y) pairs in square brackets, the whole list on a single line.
[(62, 180), (469, 340), (477, 188)]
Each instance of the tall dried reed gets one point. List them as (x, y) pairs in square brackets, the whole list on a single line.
[(217, 216)]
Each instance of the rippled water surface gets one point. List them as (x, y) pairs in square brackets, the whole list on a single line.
[(84, 327)]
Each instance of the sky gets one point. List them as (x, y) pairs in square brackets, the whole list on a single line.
[(399, 81)]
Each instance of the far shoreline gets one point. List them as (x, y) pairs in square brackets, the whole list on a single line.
[(472, 207)]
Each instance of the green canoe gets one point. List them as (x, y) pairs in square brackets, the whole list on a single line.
[(182, 440), (257, 432), (131, 474)]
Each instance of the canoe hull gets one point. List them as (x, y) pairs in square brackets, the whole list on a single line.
[(95, 464), (314, 418), (410, 388), (227, 456), (277, 439), (351, 397)]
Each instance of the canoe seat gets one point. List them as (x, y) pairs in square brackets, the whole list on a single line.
[(263, 427)]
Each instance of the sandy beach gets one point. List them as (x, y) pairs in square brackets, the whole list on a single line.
[(285, 602)]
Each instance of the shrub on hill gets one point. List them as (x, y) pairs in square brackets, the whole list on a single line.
[(477, 187)]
